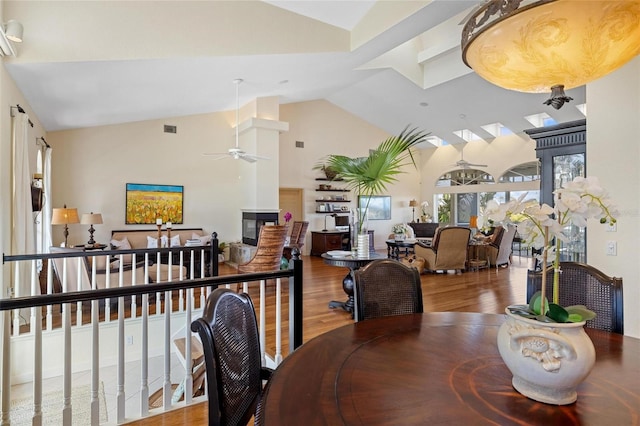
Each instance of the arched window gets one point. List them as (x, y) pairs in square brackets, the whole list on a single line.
[(526, 172)]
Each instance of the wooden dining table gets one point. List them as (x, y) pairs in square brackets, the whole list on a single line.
[(438, 369)]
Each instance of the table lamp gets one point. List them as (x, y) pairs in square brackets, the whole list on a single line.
[(65, 216), (91, 219), (413, 203), (325, 220)]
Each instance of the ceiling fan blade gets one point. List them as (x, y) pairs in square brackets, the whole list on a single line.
[(217, 155), (253, 158), (477, 165)]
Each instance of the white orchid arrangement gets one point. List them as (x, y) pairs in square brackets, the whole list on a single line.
[(538, 225), (425, 208)]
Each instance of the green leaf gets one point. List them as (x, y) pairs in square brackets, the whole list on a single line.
[(534, 303), (582, 311), (558, 313)]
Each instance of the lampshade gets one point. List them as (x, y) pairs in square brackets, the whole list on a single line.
[(536, 46), (64, 216), (91, 218), (413, 203), (14, 30)]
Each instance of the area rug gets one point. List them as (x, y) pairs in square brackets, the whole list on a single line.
[(22, 409)]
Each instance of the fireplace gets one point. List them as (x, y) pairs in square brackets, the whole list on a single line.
[(253, 220)]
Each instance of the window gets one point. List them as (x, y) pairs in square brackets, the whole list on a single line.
[(526, 172)]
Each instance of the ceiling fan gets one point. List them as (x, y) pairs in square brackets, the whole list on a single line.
[(236, 152), (464, 164)]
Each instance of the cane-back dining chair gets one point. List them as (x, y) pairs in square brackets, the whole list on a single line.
[(385, 288), (582, 284), (229, 333)]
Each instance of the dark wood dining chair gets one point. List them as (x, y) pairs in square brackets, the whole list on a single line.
[(582, 284), (385, 288), (229, 333)]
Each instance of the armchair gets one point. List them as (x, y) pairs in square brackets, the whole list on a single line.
[(269, 251), (448, 249), (499, 249)]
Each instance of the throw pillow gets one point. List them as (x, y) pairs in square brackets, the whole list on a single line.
[(121, 244), (175, 241), (204, 239), (152, 242)]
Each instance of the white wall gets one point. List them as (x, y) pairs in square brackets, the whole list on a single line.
[(613, 155), (92, 166), (326, 129)]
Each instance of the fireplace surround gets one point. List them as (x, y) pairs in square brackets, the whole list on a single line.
[(253, 220)]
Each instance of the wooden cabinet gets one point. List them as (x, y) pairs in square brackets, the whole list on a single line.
[(324, 241)]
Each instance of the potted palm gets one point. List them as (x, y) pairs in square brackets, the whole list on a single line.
[(370, 175), (544, 344)]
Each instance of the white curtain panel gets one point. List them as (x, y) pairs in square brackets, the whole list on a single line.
[(47, 208), (22, 235)]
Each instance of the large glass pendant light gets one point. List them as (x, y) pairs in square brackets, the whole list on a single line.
[(550, 45)]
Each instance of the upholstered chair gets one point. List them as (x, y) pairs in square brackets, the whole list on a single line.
[(448, 250), (499, 250)]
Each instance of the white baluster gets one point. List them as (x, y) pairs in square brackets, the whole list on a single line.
[(95, 348), (134, 298), (78, 288), (16, 312), (50, 291), (263, 333), (36, 329), (144, 364), (120, 395), (278, 355), (180, 277), (66, 376)]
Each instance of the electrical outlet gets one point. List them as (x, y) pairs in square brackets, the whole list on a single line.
[(129, 340), (612, 248), (611, 227)]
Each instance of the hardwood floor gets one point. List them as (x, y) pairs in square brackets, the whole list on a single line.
[(487, 290)]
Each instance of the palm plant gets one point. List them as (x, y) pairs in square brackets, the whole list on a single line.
[(370, 175)]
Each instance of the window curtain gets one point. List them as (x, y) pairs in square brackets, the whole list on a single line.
[(47, 208), (23, 234)]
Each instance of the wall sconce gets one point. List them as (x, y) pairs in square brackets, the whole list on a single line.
[(325, 220), (10, 32), (65, 216), (91, 219), (413, 203)]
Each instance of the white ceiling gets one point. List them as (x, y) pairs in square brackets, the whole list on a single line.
[(383, 81)]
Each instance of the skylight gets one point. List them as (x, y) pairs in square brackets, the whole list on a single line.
[(467, 135), (497, 129), (541, 120)]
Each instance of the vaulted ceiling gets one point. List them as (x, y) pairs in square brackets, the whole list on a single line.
[(391, 63)]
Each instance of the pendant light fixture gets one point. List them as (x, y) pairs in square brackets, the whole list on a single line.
[(550, 45)]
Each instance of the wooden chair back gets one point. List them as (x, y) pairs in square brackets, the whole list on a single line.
[(582, 284)]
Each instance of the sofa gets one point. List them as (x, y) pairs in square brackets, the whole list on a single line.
[(148, 238), (424, 231)]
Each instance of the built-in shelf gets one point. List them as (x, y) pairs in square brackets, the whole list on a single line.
[(330, 180), (333, 190), (333, 201)]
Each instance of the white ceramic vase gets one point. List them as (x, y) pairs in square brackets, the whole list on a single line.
[(548, 360), (363, 245)]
